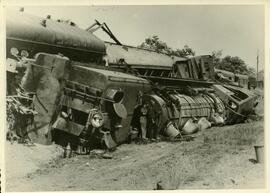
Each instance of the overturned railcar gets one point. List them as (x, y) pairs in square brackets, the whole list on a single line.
[(85, 90)]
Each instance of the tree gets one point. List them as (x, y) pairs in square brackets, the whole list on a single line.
[(230, 63), (233, 64), (251, 71), (186, 51), (155, 44), (216, 55)]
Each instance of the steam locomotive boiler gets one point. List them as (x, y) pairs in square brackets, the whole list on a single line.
[(85, 90)]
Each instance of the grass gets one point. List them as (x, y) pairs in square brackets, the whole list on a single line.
[(242, 134)]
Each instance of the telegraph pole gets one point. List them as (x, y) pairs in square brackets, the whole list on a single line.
[(257, 64)]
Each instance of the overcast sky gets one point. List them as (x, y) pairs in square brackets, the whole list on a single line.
[(238, 30)]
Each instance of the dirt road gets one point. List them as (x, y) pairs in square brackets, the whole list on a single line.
[(220, 157)]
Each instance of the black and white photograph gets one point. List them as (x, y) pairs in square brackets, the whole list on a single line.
[(134, 96)]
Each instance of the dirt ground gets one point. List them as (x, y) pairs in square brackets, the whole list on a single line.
[(217, 158), (220, 157)]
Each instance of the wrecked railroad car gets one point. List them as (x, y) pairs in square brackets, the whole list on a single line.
[(85, 90), (234, 79), (74, 92), (67, 95), (189, 75)]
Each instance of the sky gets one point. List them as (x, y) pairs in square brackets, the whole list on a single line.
[(238, 30)]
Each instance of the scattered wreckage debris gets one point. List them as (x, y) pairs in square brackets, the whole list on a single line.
[(20, 115), (100, 153)]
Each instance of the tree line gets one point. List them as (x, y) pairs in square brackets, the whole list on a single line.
[(230, 63)]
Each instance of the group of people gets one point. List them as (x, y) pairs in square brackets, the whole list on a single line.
[(145, 122)]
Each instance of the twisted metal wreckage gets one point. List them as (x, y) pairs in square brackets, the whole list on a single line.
[(86, 95)]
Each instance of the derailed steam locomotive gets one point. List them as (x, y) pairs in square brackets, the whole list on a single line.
[(85, 90)]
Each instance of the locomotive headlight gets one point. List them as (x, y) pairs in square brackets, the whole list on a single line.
[(233, 105), (97, 120)]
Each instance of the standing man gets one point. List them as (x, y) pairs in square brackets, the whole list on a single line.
[(139, 118), (144, 120), (152, 123)]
